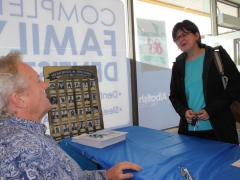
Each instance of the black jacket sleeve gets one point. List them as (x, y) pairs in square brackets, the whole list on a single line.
[(177, 95)]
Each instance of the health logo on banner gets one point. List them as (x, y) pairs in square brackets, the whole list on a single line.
[(152, 42)]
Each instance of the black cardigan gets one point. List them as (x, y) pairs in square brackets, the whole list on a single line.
[(217, 99)]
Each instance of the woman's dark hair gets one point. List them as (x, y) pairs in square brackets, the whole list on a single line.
[(186, 25)]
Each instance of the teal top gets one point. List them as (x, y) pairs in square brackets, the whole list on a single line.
[(194, 91)]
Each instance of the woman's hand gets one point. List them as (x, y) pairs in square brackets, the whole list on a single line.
[(189, 115), (203, 115)]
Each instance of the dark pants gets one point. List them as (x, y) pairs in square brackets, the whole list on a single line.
[(208, 134)]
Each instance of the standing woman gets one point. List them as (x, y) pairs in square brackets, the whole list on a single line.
[(197, 90)]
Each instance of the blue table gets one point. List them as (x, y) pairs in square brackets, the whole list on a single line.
[(160, 154)]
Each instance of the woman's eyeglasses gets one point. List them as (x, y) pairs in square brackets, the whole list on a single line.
[(183, 35)]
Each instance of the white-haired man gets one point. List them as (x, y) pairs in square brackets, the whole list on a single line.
[(26, 152)]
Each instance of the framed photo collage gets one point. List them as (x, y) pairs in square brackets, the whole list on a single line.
[(74, 94)]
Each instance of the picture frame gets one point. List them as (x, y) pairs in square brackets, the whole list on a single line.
[(74, 94)]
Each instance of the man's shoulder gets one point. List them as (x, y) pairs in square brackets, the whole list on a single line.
[(11, 129), (15, 136)]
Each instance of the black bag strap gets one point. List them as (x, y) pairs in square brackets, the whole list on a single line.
[(219, 65)]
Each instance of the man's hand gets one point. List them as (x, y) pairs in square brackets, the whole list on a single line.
[(116, 172)]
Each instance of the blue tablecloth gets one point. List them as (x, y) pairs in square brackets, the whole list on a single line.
[(160, 154)]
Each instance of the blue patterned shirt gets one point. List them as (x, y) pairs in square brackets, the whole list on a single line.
[(26, 152)]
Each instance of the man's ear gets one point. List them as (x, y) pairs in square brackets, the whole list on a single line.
[(18, 100)]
